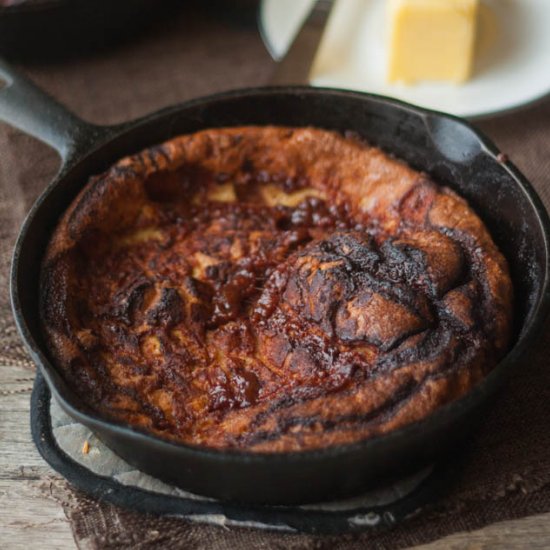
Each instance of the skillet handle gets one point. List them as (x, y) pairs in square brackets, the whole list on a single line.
[(26, 107)]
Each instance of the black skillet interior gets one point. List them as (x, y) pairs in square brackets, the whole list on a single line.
[(446, 147)]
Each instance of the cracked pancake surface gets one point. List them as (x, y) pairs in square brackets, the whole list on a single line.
[(271, 289)]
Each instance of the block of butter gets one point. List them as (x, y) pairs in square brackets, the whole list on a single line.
[(431, 39)]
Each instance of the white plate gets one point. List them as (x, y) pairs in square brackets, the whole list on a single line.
[(512, 66)]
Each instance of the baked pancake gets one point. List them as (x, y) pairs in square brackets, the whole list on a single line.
[(271, 289)]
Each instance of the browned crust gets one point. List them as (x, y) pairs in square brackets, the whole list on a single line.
[(345, 316)]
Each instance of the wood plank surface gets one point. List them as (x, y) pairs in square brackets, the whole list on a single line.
[(30, 514)]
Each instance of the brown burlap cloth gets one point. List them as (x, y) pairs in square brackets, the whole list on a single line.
[(503, 473)]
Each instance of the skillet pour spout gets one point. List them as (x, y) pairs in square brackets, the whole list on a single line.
[(447, 148)]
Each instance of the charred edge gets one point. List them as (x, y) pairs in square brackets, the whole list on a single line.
[(338, 423)]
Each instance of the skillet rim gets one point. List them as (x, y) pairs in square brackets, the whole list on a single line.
[(445, 414)]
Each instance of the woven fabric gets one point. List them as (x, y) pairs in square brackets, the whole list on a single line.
[(502, 473)]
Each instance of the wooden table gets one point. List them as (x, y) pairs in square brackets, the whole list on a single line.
[(31, 493)]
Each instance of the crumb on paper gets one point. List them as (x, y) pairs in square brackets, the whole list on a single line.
[(502, 158), (86, 447)]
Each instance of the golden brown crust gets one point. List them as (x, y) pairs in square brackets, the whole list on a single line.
[(271, 289)]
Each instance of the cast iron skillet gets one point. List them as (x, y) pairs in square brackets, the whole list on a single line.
[(446, 147)]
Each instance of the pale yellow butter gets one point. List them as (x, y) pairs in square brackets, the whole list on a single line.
[(431, 39)]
